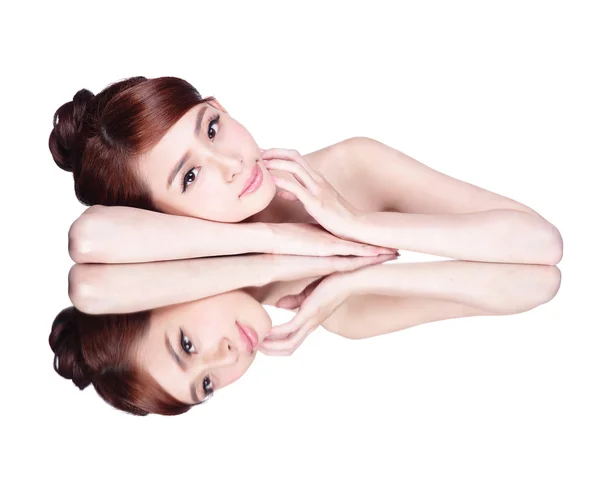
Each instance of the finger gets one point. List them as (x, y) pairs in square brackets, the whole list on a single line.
[(288, 346), (344, 263), (290, 301), (275, 336), (295, 169), (382, 258), (294, 156), (295, 188), (287, 196), (290, 327), (357, 249)]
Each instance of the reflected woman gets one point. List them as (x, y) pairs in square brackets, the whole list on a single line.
[(167, 359), (173, 175)]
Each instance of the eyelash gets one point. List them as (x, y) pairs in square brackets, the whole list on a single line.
[(207, 390), (214, 119)]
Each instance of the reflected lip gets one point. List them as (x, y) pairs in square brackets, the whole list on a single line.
[(251, 178), (249, 337)]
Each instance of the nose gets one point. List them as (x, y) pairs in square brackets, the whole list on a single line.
[(223, 353), (229, 164)]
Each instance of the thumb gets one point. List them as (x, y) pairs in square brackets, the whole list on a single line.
[(291, 301), (286, 195)]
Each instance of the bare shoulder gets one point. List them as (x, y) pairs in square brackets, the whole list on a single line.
[(328, 154), (342, 165), (406, 185)]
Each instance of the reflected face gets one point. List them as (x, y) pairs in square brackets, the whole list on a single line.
[(201, 165), (194, 347)]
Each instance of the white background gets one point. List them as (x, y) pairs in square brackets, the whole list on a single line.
[(500, 94)]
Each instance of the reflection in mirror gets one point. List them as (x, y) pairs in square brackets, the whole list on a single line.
[(182, 344)]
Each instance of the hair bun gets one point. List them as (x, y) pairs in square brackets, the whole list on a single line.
[(66, 139), (65, 342)]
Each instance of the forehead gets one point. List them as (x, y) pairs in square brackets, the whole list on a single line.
[(157, 360), (176, 140)]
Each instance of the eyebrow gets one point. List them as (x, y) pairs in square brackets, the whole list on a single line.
[(179, 362), (186, 156)]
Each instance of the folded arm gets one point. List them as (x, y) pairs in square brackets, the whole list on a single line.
[(424, 210), (496, 236), (119, 234)]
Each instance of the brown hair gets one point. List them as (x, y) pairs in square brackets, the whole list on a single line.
[(99, 137), (99, 349)]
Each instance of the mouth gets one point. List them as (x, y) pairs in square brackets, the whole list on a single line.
[(249, 337), (254, 180)]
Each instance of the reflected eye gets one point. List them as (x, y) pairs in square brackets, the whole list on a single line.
[(207, 385), (186, 344)]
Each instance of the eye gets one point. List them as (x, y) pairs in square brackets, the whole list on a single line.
[(192, 174), (214, 119), (186, 344), (188, 179), (207, 385)]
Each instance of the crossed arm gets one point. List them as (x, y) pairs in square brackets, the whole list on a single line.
[(424, 210)]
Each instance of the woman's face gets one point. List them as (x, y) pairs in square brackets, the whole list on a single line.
[(201, 165), (198, 345)]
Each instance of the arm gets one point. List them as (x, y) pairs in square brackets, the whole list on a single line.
[(126, 288), (499, 236), (424, 210), (392, 297), (118, 234)]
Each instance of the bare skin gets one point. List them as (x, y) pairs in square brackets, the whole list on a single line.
[(396, 197), (395, 187)]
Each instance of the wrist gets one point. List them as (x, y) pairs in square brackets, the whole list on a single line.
[(263, 236), (363, 280)]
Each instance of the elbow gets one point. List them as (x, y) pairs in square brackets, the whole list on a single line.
[(543, 242), (548, 282), (84, 287), (553, 246), (82, 244)]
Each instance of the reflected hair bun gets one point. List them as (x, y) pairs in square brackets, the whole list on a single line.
[(65, 341)]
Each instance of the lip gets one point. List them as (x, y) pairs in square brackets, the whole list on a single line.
[(249, 337), (254, 181)]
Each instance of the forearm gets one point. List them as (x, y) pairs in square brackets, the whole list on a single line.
[(502, 236), (125, 288), (119, 234), (495, 287)]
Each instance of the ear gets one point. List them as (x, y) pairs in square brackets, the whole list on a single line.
[(216, 104)]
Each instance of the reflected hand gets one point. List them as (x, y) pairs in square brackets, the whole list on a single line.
[(319, 300)]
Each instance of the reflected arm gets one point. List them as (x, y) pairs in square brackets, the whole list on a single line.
[(126, 288), (390, 297)]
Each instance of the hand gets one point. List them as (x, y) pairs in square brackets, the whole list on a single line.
[(306, 239), (319, 198), (318, 301)]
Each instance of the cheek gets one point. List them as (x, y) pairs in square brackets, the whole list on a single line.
[(239, 133), (230, 375)]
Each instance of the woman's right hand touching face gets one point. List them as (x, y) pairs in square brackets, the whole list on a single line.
[(307, 239)]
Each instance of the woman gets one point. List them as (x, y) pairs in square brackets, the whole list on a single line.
[(190, 171), (191, 338)]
